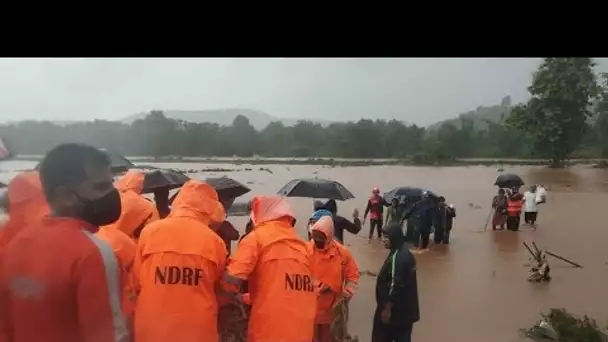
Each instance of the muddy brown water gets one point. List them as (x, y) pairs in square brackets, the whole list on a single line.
[(475, 289)]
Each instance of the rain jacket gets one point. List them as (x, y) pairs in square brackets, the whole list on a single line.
[(60, 283), (136, 210), (26, 204), (333, 267), (341, 223), (275, 261), (396, 283), (178, 263), (124, 249)]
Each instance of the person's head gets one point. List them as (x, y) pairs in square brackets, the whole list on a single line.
[(395, 202), (199, 200), (161, 195), (322, 232), (375, 191), (271, 208), (317, 205), (501, 192), (532, 188), (514, 190), (317, 215), (77, 182), (393, 237), (441, 200), (331, 206)]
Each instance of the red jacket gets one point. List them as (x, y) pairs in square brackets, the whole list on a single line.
[(60, 283)]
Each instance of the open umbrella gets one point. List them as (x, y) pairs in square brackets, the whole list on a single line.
[(408, 192), (227, 189), (509, 180), (118, 162), (316, 188), (163, 179)]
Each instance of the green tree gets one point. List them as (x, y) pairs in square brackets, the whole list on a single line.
[(600, 128), (556, 116)]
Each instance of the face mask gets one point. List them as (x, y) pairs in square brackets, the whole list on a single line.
[(102, 211)]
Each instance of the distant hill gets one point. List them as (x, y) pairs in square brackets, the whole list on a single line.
[(258, 119), (480, 116)]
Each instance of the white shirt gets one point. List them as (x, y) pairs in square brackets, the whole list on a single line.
[(541, 194), (530, 202)]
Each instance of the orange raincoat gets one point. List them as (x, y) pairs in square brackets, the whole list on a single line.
[(274, 261), (136, 210), (124, 249), (334, 270), (26, 204), (178, 263)]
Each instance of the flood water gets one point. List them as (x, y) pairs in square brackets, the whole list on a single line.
[(475, 289)]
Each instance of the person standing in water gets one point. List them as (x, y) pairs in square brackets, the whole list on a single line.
[(530, 206), (395, 212), (444, 218), (422, 213), (514, 204), (397, 306), (375, 209), (499, 204)]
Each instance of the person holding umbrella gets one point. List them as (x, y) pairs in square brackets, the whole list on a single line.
[(375, 209)]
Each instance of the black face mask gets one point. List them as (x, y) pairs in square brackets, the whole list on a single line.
[(319, 244), (101, 211)]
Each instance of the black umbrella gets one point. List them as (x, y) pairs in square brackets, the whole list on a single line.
[(118, 162), (407, 192), (316, 188), (509, 180), (227, 188), (163, 179)]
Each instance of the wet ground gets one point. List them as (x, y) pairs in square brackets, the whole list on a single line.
[(475, 289)]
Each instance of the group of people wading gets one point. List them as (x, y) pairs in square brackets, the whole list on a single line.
[(423, 216), (87, 259), (508, 205)]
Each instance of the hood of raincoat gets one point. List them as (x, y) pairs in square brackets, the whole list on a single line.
[(198, 200), (124, 247), (270, 208), (131, 180), (135, 210), (325, 225), (26, 203), (395, 235)]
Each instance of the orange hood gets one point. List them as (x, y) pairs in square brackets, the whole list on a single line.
[(325, 225), (134, 212), (131, 180), (26, 203), (270, 208), (198, 200)]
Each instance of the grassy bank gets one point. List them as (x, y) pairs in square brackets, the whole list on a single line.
[(343, 162)]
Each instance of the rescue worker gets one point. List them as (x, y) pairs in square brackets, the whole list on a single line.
[(514, 206), (375, 209), (60, 283), (274, 260), (135, 207), (396, 291), (26, 204), (178, 263), (337, 277), (124, 249)]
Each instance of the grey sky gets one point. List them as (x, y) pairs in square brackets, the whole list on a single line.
[(418, 91)]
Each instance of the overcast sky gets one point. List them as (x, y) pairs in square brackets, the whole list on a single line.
[(418, 91)]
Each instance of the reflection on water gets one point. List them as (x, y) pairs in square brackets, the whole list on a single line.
[(474, 289)]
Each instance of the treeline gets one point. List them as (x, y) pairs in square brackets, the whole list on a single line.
[(569, 121), (158, 136)]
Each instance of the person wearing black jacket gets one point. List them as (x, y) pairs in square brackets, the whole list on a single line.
[(396, 291), (422, 213), (341, 223)]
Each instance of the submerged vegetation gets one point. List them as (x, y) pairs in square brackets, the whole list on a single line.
[(566, 117), (561, 326)]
